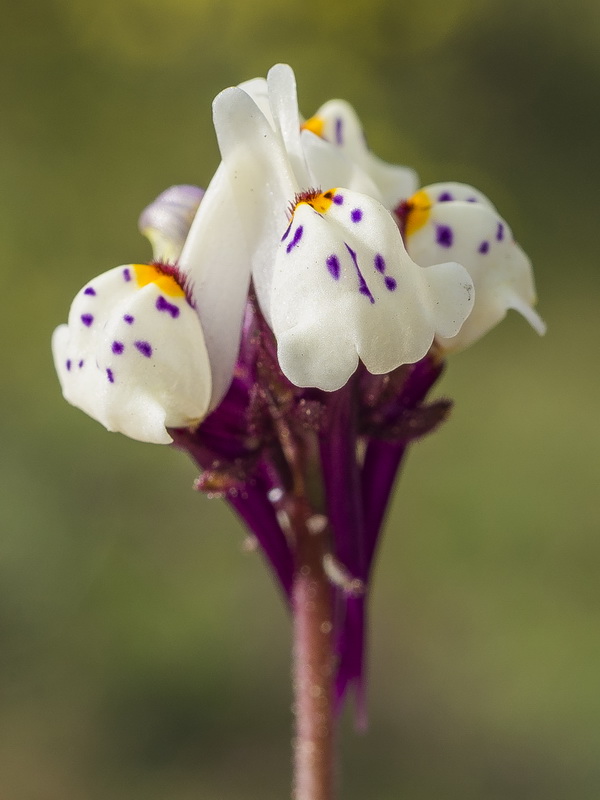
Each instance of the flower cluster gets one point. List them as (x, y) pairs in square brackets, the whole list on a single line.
[(290, 326)]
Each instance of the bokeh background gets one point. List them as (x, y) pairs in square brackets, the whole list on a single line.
[(143, 653)]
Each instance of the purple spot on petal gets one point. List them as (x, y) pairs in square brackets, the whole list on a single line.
[(296, 238), (68, 365), (471, 199), (287, 230), (117, 348), (333, 265), (338, 199), (500, 232), (339, 123), (444, 235), (483, 248), (110, 376), (390, 283), (162, 304), (444, 197), (356, 215), (127, 274), (90, 291), (362, 284), (128, 319), (80, 365), (145, 348), (87, 319), (379, 262)]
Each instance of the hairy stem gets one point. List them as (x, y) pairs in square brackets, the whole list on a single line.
[(313, 669)]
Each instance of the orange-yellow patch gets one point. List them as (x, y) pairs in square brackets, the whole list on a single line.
[(418, 211), (148, 273), (314, 124), (320, 202)]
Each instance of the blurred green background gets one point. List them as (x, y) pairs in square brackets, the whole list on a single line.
[(143, 653)]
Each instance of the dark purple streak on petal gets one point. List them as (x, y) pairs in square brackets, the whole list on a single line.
[(362, 284), (295, 239), (145, 348), (162, 304), (333, 265)]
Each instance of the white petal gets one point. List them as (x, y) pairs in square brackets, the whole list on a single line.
[(261, 180), (344, 287), (258, 90), (133, 356), (329, 166), (455, 221), (216, 262), (166, 221), (338, 122), (284, 108)]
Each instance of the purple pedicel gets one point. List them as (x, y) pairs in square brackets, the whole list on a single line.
[(362, 284), (379, 262), (295, 239), (91, 291), (80, 365), (339, 124), (483, 248), (338, 199), (127, 274), (117, 348), (333, 265), (390, 283), (445, 197), (342, 479), (444, 235), (87, 319), (500, 232), (110, 376), (145, 348), (68, 365), (162, 304), (356, 215), (128, 319)]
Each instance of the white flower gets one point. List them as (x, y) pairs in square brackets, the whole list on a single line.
[(148, 347), (338, 123), (456, 221), (335, 281), (133, 356)]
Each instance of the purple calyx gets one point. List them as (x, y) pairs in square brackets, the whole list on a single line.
[(253, 451)]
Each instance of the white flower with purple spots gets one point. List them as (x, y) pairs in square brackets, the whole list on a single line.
[(132, 355), (150, 347), (335, 282), (456, 221)]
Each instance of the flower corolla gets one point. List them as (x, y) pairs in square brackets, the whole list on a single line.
[(153, 346), (331, 272), (459, 222)]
